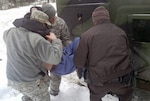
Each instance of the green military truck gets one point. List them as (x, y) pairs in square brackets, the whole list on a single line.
[(133, 16)]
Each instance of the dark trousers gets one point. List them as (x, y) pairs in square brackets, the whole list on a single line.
[(121, 89)]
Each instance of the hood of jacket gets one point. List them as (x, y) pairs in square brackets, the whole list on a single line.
[(100, 14)]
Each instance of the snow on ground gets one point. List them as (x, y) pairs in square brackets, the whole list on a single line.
[(69, 89)]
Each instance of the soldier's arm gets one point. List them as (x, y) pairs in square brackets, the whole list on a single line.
[(65, 36)]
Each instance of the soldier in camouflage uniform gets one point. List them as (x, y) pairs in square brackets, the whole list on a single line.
[(28, 56), (61, 30)]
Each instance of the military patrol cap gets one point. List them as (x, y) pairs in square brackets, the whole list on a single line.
[(40, 16)]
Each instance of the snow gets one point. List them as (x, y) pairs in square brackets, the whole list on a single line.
[(69, 89)]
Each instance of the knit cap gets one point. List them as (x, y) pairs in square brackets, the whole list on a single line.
[(49, 10), (100, 13), (40, 16)]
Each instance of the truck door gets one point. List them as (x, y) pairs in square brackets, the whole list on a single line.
[(140, 30), (77, 14)]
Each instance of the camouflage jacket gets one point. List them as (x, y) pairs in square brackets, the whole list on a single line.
[(61, 31)]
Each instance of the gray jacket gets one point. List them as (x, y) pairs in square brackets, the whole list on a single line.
[(26, 53)]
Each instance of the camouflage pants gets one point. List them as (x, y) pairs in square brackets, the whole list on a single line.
[(35, 90), (54, 83)]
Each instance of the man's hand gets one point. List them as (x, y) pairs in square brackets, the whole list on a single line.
[(51, 37), (48, 66)]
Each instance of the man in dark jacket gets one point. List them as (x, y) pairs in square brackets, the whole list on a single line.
[(104, 50)]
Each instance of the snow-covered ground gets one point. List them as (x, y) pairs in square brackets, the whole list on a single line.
[(69, 89)]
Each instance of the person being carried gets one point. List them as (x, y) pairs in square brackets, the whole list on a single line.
[(66, 65), (27, 53)]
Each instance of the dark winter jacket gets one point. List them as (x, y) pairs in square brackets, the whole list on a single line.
[(104, 50)]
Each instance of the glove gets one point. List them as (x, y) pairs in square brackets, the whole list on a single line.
[(79, 72)]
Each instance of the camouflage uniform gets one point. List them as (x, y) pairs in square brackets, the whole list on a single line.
[(62, 32), (33, 91)]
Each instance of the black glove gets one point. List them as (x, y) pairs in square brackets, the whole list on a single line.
[(79, 72)]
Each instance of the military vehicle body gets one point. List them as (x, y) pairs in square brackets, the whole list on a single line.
[(133, 16)]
